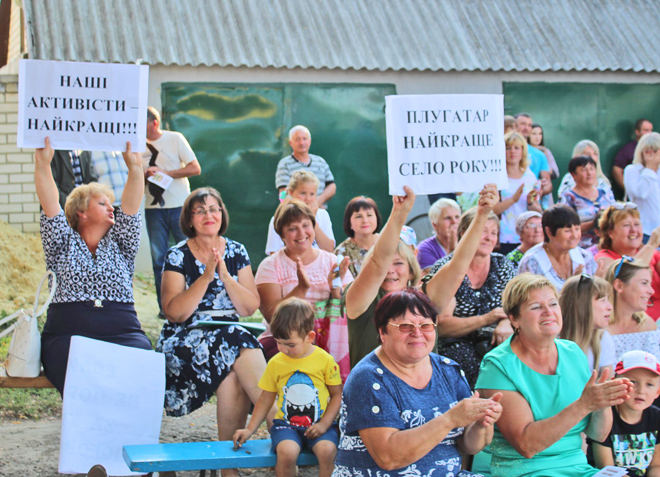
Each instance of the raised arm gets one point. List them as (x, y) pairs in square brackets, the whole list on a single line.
[(131, 198), (49, 196), (327, 194), (442, 287), (365, 287)]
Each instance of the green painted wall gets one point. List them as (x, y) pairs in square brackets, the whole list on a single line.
[(570, 112), (240, 132)]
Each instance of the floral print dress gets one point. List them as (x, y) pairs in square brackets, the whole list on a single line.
[(198, 359)]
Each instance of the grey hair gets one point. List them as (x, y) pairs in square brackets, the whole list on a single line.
[(297, 128), (436, 209), (647, 141)]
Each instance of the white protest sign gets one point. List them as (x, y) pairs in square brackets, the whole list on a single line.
[(445, 142), (113, 396), (89, 106)]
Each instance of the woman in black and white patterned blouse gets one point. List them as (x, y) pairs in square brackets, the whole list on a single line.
[(91, 248)]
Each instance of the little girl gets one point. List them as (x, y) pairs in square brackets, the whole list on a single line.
[(302, 186)]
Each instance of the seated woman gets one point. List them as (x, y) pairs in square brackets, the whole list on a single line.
[(469, 329), (549, 397), (631, 328), (303, 186), (205, 277), (391, 266), (586, 320), (558, 258), (586, 198), (585, 148), (521, 195), (643, 183), (361, 224), (530, 231), (621, 231), (91, 248), (444, 215), (405, 410), (299, 270)]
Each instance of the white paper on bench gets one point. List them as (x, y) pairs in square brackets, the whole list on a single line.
[(113, 396)]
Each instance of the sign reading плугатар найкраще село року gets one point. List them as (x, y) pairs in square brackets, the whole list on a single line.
[(445, 142)]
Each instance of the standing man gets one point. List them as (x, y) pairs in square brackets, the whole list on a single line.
[(625, 155), (112, 171), (538, 162), (168, 152), (300, 140), (71, 169)]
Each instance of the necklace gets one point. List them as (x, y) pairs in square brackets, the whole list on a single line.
[(198, 250)]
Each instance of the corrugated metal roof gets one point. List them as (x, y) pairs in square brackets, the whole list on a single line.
[(436, 35)]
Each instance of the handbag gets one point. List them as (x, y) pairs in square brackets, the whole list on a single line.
[(24, 355)]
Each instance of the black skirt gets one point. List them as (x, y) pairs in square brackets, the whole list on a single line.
[(114, 322)]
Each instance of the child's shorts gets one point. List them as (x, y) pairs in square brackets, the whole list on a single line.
[(282, 431)]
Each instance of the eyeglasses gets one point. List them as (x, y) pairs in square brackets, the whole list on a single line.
[(624, 205), (202, 212), (624, 258), (532, 226), (409, 328)]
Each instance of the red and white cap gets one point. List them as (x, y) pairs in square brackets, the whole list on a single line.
[(637, 359)]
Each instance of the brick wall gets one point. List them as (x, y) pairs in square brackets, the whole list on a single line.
[(19, 205)]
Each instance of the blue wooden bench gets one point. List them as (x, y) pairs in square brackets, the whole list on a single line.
[(205, 456)]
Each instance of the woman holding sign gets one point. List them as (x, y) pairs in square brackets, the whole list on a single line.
[(91, 248), (523, 193)]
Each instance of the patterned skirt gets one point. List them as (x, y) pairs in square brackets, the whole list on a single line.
[(197, 360)]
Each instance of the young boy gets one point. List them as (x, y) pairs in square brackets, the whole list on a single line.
[(633, 440), (306, 383)]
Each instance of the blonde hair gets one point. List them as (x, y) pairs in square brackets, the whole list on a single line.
[(78, 200), (406, 253), (626, 273), (511, 139), (577, 312), (518, 289), (647, 141), (578, 150), (608, 220), (301, 177)]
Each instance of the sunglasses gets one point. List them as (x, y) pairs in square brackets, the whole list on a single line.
[(624, 205), (624, 258), (409, 328)]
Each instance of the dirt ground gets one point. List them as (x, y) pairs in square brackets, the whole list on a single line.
[(31, 447)]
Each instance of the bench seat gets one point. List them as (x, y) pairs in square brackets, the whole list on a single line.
[(40, 381), (205, 456)]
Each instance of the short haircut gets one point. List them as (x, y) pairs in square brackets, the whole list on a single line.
[(608, 220), (395, 305), (301, 177), (518, 289), (435, 211), (537, 125), (406, 253), (357, 204), (579, 149), (198, 197), (626, 273), (289, 211), (512, 138), (153, 114), (509, 122), (467, 218), (522, 115), (576, 302), (78, 200), (293, 315), (580, 161), (557, 217), (297, 128), (640, 122), (649, 141)]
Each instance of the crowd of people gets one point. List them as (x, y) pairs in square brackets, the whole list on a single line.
[(519, 326)]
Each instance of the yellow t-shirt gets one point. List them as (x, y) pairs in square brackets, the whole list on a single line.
[(301, 385)]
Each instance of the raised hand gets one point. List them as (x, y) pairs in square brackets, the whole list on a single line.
[(603, 393), (43, 156), (303, 278), (130, 158), (488, 198), (517, 194), (403, 204), (211, 266)]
